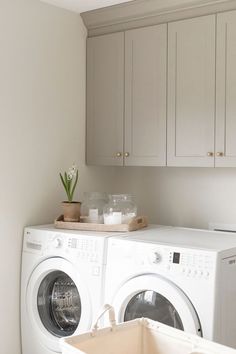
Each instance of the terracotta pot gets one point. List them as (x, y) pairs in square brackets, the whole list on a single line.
[(71, 211)]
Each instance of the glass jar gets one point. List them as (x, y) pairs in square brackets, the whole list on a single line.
[(119, 210), (92, 207)]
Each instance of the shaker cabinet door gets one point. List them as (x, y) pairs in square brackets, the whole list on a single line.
[(145, 96), (191, 92), (226, 90), (105, 99)]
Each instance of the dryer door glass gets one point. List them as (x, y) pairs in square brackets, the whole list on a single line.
[(59, 304), (154, 306)]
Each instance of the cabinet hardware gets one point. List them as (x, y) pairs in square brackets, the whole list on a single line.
[(219, 154), (210, 154), (127, 154), (118, 154)]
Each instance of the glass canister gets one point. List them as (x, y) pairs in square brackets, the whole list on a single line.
[(119, 210), (92, 207)]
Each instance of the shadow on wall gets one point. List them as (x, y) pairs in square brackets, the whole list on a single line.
[(190, 197)]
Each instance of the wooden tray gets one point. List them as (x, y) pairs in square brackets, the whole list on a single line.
[(135, 224)]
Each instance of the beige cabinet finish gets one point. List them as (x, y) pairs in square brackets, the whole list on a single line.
[(105, 99), (191, 92), (126, 98), (145, 96), (226, 90)]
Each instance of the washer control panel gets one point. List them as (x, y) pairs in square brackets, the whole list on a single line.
[(87, 249), (84, 248), (184, 262)]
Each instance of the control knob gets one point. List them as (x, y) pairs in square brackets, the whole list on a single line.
[(57, 243)]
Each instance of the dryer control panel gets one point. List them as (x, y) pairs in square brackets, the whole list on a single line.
[(163, 259), (190, 263)]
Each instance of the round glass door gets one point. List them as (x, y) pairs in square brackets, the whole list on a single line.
[(58, 301), (59, 304), (156, 298), (152, 305)]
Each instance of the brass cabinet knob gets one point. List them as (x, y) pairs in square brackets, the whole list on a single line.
[(210, 154), (219, 154), (118, 154), (127, 154)]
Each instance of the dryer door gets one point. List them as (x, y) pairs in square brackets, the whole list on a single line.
[(156, 298), (57, 302)]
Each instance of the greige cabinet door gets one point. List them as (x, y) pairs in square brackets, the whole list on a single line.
[(145, 96), (226, 90), (105, 99), (191, 92)]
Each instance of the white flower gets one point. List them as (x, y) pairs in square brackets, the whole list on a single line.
[(71, 172), (69, 176)]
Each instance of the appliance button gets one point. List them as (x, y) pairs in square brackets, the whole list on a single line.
[(96, 271)]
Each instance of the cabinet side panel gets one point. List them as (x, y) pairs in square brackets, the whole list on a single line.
[(227, 290)]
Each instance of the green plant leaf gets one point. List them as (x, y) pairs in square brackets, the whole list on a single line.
[(65, 184), (75, 183), (69, 188), (63, 181)]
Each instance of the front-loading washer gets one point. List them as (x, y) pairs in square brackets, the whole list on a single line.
[(61, 285), (184, 278)]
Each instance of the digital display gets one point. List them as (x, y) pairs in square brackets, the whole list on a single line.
[(176, 257)]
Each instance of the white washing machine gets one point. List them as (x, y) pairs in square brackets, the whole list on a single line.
[(61, 285), (185, 278)]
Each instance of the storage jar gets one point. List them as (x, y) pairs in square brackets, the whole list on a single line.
[(92, 207), (119, 210)]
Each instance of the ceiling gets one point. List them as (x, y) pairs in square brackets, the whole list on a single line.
[(84, 5)]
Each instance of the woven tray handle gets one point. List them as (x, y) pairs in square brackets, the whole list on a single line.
[(106, 308)]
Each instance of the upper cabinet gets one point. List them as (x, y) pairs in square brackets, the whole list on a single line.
[(133, 85), (226, 90), (126, 98), (191, 92), (145, 96), (105, 99)]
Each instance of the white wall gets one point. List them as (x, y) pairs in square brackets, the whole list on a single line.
[(42, 131), (190, 197)]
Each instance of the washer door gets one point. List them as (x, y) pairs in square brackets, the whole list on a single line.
[(156, 298), (57, 302)]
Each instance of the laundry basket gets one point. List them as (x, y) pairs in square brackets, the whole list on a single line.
[(140, 336)]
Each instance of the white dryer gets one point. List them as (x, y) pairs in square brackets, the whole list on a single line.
[(61, 285), (185, 278)]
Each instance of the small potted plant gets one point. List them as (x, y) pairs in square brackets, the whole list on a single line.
[(71, 209)]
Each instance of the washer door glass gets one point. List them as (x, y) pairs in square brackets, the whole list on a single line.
[(59, 304), (154, 306)]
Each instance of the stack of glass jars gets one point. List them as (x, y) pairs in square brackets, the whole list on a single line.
[(119, 210)]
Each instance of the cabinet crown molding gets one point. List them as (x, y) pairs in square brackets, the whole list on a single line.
[(140, 13)]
